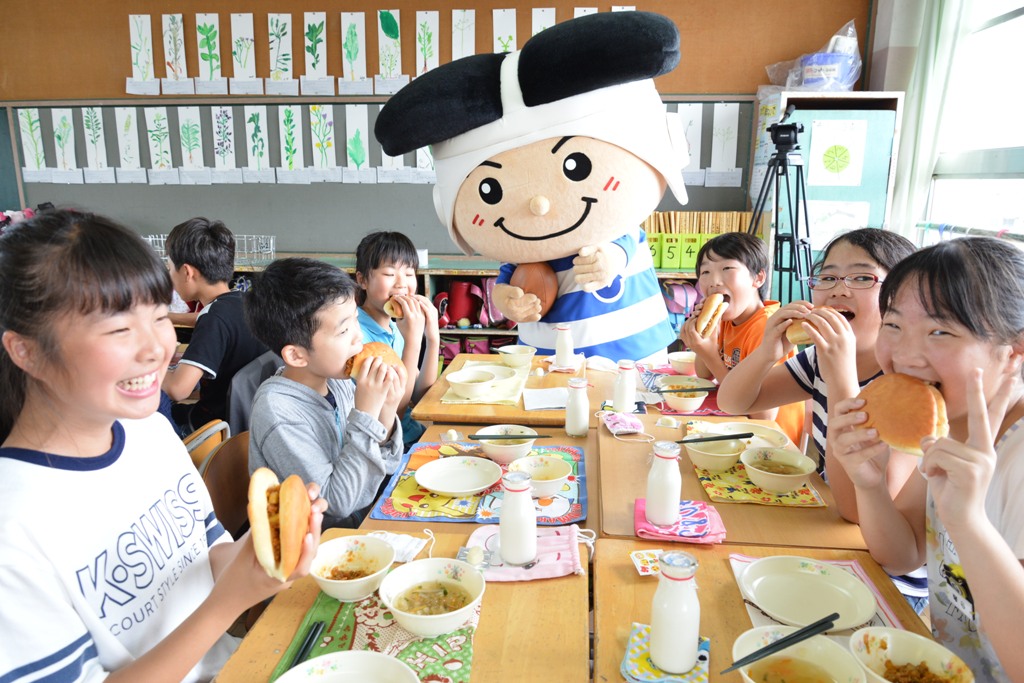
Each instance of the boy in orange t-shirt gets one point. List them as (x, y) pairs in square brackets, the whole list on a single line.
[(735, 265)]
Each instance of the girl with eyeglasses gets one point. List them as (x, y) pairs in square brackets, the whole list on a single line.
[(843, 321)]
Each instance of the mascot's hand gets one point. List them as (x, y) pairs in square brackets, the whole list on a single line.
[(597, 266), (515, 304)]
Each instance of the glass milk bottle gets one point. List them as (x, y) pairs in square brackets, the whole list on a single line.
[(565, 355), (577, 408), (624, 398), (675, 614), (664, 484), (517, 527)]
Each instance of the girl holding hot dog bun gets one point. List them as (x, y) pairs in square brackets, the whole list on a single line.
[(952, 317), (728, 323), (113, 565)]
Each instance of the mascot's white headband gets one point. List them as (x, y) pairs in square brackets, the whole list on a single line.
[(631, 116)]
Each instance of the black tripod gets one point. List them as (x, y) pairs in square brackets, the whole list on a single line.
[(791, 240)]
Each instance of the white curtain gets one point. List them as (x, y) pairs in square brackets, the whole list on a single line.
[(943, 25)]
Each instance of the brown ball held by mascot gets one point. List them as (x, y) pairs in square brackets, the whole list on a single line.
[(538, 279)]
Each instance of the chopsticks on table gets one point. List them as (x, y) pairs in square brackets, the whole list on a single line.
[(717, 437), (820, 626), (499, 437), (684, 390), (312, 635)]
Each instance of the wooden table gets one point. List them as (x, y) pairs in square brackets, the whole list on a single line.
[(528, 631), (621, 597), (590, 461), (430, 408), (624, 468)]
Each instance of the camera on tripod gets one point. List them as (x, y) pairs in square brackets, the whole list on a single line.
[(784, 135)]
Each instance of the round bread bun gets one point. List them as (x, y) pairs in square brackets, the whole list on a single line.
[(904, 410), (393, 308), (538, 279), (279, 518), (371, 349), (715, 306)]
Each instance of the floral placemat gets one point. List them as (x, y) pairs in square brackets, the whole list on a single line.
[(369, 625), (508, 397), (637, 666), (403, 499), (884, 616), (734, 486)]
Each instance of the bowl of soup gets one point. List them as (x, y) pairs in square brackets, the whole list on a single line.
[(432, 596), (889, 654), (815, 660), (778, 470), (517, 355), (351, 568), (503, 451), (548, 473), (471, 384), (713, 456)]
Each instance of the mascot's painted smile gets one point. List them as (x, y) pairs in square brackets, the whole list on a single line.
[(587, 202)]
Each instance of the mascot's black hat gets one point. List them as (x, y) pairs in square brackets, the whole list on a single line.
[(590, 76)]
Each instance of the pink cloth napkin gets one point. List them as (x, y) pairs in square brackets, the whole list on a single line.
[(698, 523), (558, 554)]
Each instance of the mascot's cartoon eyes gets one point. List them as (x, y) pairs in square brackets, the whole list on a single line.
[(577, 166), (490, 191)]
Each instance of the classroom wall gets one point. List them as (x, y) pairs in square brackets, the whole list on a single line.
[(726, 44)]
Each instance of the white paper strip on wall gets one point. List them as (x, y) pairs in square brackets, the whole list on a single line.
[(389, 44), (279, 33), (95, 139), (223, 137), (33, 156), (583, 11), (208, 47), (256, 145), (158, 133), (243, 44), (724, 135), (357, 136), (127, 137), (64, 139), (463, 33), (692, 117), (190, 136), (353, 80), (504, 24), (290, 129), (543, 17), (314, 42), (174, 47), (140, 30), (427, 45), (321, 128)]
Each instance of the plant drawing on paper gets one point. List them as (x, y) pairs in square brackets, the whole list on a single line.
[(289, 138), (351, 47), (314, 36), (208, 47), (30, 130), (425, 39), (126, 141), (389, 52), (223, 146), (190, 138), (465, 23), (723, 135), (241, 51), (159, 135), (322, 127), (279, 49), (62, 136), (174, 41), (257, 148), (506, 44), (141, 57), (94, 129), (356, 149)]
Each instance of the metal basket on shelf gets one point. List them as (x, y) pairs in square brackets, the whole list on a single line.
[(255, 250), (157, 242)]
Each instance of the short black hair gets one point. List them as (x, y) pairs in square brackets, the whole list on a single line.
[(885, 247), (977, 282), (748, 249), (208, 246), (380, 248), (281, 306)]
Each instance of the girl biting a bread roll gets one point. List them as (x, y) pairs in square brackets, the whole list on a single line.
[(113, 564), (951, 319)]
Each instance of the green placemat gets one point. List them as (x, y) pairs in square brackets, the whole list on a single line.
[(368, 625)]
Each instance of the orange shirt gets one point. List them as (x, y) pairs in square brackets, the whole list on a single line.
[(738, 341)]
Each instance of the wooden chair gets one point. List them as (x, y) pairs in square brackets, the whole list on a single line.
[(226, 475), (205, 440)]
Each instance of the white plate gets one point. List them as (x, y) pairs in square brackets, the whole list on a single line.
[(458, 476), (351, 665), (799, 591), (764, 437)]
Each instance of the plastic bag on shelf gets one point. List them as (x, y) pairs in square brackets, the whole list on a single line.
[(835, 67)]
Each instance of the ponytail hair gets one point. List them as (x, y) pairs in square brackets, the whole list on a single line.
[(60, 263)]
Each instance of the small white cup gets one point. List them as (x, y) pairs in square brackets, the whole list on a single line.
[(423, 256)]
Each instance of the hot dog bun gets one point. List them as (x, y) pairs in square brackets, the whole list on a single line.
[(715, 306), (393, 308), (904, 410), (796, 334), (279, 518), (371, 349)]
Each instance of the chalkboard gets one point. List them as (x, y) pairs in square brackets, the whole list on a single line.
[(8, 176)]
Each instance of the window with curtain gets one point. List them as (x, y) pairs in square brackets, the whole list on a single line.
[(978, 180)]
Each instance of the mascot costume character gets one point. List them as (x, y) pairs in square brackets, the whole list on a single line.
[(556, 154)]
